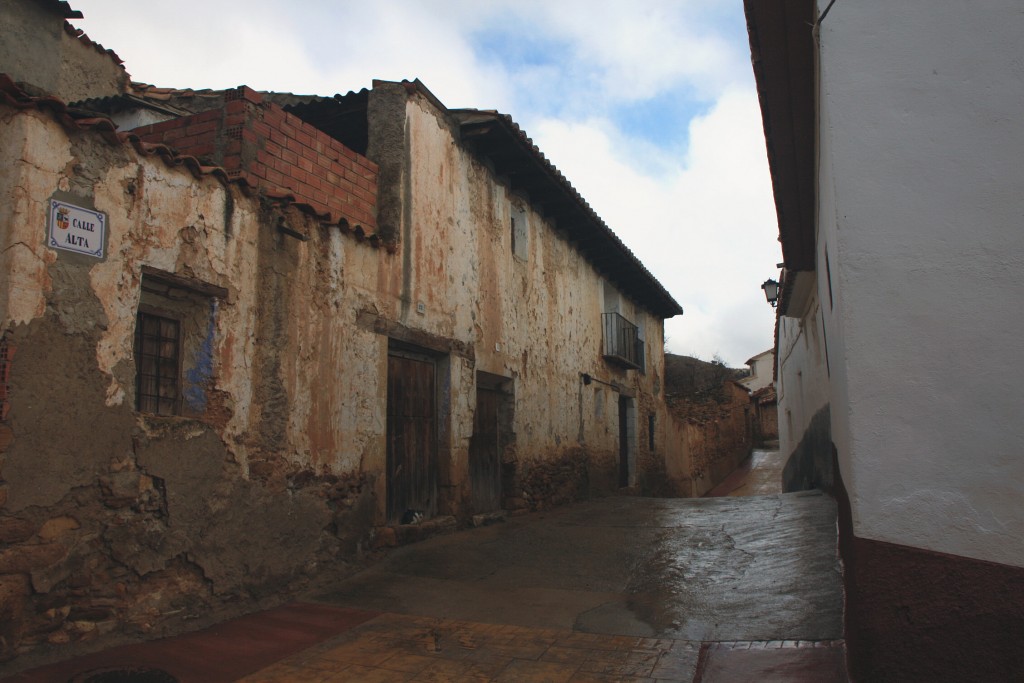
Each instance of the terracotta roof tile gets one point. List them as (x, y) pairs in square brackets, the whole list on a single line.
[(12, 96), (61, 7), (765, 395), (152, 92), (86, 40)]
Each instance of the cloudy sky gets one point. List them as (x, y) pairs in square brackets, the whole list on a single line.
[(647, 107)]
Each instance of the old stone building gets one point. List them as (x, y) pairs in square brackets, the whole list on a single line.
[(713, 424), (246, 336)]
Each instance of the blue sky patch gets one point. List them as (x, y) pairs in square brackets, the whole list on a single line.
[(663, 120)]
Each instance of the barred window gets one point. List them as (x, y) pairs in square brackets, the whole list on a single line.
[(157, 364)]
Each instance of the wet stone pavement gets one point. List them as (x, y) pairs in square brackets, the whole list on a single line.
[(616, 589), (758, 475), (758, 568)]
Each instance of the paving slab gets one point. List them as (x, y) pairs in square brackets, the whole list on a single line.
[(221, 653), (400, 647), (773, 662)]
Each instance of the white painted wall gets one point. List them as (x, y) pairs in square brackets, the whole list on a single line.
[(762, 368), (921, 200), (802, 384)]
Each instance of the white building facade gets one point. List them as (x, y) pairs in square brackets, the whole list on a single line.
[(762, 367), (895, 140)]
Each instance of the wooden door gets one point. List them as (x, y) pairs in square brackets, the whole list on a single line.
[(623, 441), (411, 435), (485, 452)]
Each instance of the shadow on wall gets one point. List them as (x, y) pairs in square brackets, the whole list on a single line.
[(810, 464)]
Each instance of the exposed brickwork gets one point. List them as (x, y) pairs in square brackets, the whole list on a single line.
[(279, 153)]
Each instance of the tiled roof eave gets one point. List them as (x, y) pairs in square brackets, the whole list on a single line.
[(12, 96), (81, 36), (62, 8), (782, 56), (514, 155)]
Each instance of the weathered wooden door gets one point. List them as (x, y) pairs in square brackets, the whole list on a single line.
[(623, 441), (412, 435), (485, 452)]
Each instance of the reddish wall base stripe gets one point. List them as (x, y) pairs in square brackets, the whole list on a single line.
[(917, 615)]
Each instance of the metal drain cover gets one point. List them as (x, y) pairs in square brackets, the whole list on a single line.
[(124, 674)]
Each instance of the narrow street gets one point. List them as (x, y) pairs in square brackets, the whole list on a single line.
[(617, 589), (758, 475)]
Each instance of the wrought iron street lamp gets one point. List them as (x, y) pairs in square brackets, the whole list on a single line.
[(771, 291)]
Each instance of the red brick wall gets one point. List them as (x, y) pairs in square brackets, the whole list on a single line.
[(190, 135), (277, 152)]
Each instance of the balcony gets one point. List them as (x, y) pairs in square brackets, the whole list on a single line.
[(622, 343)]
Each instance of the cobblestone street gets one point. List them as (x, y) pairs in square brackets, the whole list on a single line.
[(617, 589)]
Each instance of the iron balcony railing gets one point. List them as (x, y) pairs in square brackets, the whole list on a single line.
[(622, 342)]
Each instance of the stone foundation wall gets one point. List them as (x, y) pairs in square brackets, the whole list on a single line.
[(159, 529), (716, 436), (544, 484)]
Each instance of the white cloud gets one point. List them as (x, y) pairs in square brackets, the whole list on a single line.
[(312, 48), (704, 225), (643, 48)]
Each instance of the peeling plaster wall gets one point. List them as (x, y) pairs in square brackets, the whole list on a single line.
[(118, 522), (22, 256), (113, 522), (535, 320), (332, 383)]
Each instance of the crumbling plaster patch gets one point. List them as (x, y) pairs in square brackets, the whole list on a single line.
[(164, 218), (56, 394), (29, 170)]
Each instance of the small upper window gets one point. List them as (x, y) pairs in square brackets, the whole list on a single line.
[(612, 300), (520, 233)]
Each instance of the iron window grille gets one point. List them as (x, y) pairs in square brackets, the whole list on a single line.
[(622, 342), (158, 364)]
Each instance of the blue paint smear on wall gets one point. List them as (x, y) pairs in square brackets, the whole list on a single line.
[(197, 377)]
